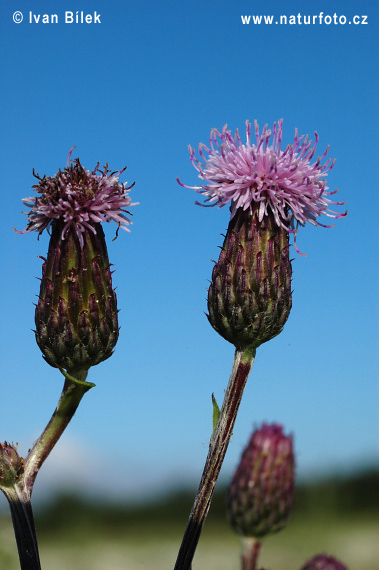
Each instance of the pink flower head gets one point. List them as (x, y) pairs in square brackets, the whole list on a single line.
[(80, 199), (284, 182)]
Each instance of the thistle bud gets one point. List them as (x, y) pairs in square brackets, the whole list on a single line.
[(250, 297), (11, 464), (323, 562), (260, 495), (76, 314)]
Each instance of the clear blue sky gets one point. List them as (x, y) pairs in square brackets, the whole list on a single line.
[(136, 89)]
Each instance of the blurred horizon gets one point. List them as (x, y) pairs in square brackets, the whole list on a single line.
[(126, 536), (65, 472)]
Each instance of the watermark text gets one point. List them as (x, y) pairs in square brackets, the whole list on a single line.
[(304, 19), (78, 17)]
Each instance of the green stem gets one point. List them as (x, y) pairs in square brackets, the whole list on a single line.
[(72, 393), (243, 361), (24, 529)]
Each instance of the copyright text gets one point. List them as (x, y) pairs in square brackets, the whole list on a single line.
[(78, 17)]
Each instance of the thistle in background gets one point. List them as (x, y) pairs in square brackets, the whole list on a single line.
[(260, 495), (76, 314), (271, 192), (323, 562)]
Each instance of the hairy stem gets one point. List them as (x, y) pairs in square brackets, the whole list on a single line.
[(243, 361)]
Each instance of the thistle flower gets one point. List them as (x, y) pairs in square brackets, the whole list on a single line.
[(260, 495), (11, 464), (323, 562), (271, 192), (284, 183), (76, 314), (79, 199)]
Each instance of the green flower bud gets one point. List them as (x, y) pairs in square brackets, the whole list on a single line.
[(11, 464)]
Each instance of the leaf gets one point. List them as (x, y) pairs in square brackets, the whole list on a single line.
[(216, 413)]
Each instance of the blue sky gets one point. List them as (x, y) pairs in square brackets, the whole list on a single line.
[(136, 89)]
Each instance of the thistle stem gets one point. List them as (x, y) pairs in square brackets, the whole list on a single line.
[(24, 529), (243, 361), (69, 401), (20, 494), (250, 553)]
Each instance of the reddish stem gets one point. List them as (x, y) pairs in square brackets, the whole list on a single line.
[(243, 361), (250, 553)]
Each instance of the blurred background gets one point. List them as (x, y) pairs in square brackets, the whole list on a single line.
[(136, 89)]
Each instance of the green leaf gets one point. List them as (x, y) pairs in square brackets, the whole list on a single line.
[(76, 380), (216, 413)]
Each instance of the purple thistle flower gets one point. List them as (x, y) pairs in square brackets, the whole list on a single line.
[(283, 182), (80, 199), (76, 315), (323, 562)]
